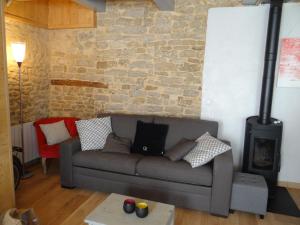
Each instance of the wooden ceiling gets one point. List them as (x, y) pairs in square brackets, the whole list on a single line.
[(61, 14), (52, 14), (100, 5)]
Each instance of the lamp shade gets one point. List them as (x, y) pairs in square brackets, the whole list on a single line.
[(18, 51)]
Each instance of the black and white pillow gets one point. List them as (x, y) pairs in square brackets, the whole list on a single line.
[(207, 148), (93, 132)]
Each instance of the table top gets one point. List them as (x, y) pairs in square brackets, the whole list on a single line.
[(110, 212)]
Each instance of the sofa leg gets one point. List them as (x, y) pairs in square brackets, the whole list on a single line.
[(67, 187), (217, 215), (44, 165), (261, 217)]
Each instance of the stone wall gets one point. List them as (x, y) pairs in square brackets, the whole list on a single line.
[(34, 71), (151, 60)]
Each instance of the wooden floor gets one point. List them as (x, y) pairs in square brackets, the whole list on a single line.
[(55, 205)]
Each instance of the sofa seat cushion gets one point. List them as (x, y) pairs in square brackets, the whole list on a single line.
[(180, 171), (108, 161)]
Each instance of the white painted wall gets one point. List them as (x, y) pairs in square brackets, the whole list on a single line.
[(232, 76), (287, 106)]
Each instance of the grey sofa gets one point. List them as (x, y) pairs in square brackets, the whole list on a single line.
[(206, 188)]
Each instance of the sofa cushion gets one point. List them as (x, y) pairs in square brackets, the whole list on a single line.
[(207, 149), (186, 128), (180, 171), (150, 138), (93, 132), (181, 149), (114, 162), (118, 144)]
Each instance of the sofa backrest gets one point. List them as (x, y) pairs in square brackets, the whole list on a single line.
[(125, 126), (186, 128)]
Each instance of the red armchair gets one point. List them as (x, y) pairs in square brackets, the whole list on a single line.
[(52, 151)]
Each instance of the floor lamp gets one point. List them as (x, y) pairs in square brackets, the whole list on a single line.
[(18, 50)]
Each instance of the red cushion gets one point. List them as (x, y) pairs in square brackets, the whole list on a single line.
[(52, 151)]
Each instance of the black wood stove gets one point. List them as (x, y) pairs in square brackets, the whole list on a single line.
[(262, 150), (263, 133)]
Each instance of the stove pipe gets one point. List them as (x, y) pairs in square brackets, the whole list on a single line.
[(270, 61)]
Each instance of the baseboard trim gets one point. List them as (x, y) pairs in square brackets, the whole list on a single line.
[(288, 184)]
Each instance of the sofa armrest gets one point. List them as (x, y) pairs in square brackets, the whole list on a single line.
[(222, 184), (67, 150)]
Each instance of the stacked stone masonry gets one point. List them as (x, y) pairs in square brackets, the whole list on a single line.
[(150, 60), (35, 71)]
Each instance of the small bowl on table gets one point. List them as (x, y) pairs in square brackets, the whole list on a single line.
[(129, 205), (141, 209)]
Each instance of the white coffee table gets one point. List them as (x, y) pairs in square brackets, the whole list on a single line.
[(110, 212)]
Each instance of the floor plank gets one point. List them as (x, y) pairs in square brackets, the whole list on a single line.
[(58, 206), (78, 216)]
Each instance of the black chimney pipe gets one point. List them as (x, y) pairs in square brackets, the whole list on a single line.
[(270, 61)]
